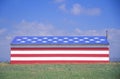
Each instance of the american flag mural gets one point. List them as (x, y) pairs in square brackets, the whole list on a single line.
[(59, 49)]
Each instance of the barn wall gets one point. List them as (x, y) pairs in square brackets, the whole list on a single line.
[(59, 55)]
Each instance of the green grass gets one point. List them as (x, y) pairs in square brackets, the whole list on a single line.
[(60, 71)]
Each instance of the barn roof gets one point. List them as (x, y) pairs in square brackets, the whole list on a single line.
[(60, 40)]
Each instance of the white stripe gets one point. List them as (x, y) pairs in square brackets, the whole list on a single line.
[(60, 52), (59, 58)]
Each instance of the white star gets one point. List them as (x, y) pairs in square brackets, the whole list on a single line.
[(24, 37), (87, 41), (33, 41), (28, 39), (18, 39), (65, 38), (102, 39), (81, 40), (45, 38), (35, 38), (54, 41), (44, 41), (85, 37), (60, 39), (75, 38), (55, 38), (39, 39), (91, 39), (76, 41), (96, 38), (22, 41), (70, 39), (97, 41), (49, 39), (65, 41)]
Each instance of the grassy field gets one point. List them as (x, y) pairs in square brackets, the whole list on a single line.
[(60, 71)]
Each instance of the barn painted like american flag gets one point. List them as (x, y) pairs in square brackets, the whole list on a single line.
[(59, 49)]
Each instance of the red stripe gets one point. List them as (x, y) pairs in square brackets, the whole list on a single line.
[(59, 55), (56, 62), (59, 49)]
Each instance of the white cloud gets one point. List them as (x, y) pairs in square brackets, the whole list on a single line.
[(2, 31), (59, 1), (35, 28), (76, 9), (26, 28), (63, 7), (90, 32), (92, 11)]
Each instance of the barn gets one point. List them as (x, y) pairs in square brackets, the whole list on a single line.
[(59, 49)]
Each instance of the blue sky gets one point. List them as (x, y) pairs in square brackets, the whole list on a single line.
[(59, 17)]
